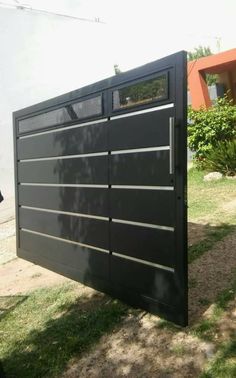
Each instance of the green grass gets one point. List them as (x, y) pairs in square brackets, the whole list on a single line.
[(41, 333), (205, 199), (206, 328), (179, 350), (205, 206), (224, 364)]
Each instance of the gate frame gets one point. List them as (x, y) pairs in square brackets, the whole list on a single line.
[(180, 109)]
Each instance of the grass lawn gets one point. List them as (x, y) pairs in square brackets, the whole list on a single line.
[(213, 206), (43, 330), (211, 202)]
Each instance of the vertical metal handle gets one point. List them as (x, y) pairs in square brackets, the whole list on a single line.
[(171, 142)]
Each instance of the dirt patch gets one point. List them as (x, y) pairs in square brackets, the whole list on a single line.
[(230, 206), (196, 233), (19, 276), (226, 327), (211, 274), (140, 348)]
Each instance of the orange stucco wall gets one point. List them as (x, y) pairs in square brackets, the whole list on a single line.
[(223, 64)]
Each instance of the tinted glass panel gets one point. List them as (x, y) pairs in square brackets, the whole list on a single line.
[(67, 113), (155, 89), (88, 108)]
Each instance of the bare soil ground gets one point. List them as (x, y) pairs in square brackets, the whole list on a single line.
[(211, 274), (139, 348), (230, 206), (19, 276), (196, 232)]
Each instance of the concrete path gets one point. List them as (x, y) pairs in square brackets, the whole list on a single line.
[(7, 241), (7, 209), (7, 230)]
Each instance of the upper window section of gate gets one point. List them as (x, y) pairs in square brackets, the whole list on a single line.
[(141, 93), (68, 113)]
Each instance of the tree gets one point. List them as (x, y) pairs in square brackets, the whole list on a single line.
[(201, 52), (144, 91), (208, 127)]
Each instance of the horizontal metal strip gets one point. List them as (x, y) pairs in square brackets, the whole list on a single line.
[(65, 128), (145, 262), (65, 240), (66, 157), (65, 212), (89, 170), (156, 108), (141, 187), (134, 150), (149, 225), (65, 185), (130, 151)]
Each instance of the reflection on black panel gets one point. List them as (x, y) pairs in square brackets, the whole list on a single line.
[(88, 108), (41, 121), (155, 89), (72, 112)]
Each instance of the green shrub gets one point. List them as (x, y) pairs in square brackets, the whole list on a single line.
[(222, 158), (208, 127)]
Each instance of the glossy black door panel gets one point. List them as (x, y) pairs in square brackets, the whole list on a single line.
[(78, 262), (73, 141), (92, 201), (79, 229), (131, 169), (145, 206), (70, 112), (147, 280), (100, 177), (149, 244), (83, 170), (142, 130)]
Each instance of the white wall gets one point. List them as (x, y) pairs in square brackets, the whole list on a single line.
[(42, 57)]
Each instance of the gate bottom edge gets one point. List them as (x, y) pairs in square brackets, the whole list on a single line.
[(129, 297)]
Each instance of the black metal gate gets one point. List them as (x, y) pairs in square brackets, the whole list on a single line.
[(101, 186)]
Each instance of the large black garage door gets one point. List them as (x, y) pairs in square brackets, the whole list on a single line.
[(101, 186)]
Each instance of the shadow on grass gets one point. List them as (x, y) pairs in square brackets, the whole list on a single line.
[(8, 303), (45, 331), (45, 350), (224, 365), (202, 238)]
